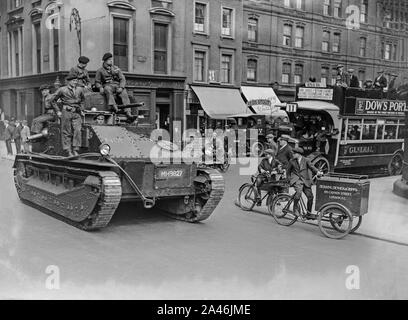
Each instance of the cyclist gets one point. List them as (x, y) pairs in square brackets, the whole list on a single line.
[(298, 173), (268, 170)]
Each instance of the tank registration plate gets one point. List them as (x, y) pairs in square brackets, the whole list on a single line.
[(167, 174)]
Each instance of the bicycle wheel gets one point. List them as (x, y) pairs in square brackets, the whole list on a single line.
[(335, 221), (246, 197), (281, 209)]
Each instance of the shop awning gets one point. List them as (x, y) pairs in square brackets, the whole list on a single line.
[(261, 99), (219, 103)]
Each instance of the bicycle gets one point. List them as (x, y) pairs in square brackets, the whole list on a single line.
[(335, 219), (247, 192)]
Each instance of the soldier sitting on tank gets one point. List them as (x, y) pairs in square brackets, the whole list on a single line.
[(82, 74), (110, 80), (73, 99), (268, 170), (51, 111)]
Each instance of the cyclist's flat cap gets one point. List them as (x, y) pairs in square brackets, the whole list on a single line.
[(297, 150), (270, 151)]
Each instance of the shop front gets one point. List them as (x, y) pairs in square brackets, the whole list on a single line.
[(208, 107)]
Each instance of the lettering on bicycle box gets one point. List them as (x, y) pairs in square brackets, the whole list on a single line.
[(351, 193)]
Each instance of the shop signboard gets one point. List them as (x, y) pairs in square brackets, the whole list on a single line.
[(375, 107)]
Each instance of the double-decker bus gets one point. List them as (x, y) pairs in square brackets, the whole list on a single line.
[(350, 129)]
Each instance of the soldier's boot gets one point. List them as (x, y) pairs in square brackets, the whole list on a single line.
[(130, 117), (75, 152)]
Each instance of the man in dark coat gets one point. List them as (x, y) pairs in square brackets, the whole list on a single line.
[(82, 74), (284, 151), (17, 136), (354, 83), (8, 135), (110, 80), (268, 167), (380, 81), (299, 174)]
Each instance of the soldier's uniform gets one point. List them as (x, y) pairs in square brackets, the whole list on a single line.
[(111, 78), (72, 99), (82, 74), (50, 112)]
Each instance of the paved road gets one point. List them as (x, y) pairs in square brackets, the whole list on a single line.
[(143, 255)]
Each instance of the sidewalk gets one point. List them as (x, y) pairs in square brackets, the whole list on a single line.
[(3, 151)]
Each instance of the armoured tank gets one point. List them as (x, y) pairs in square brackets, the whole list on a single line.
[(115, 164)]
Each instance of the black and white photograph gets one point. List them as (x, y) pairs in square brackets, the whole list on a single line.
[(203, 150)]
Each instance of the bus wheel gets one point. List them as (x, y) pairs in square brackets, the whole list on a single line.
[(258, 149), (395, 165), (322, 165)]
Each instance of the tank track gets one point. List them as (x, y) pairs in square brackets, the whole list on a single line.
[(110, 192), (217, 191)]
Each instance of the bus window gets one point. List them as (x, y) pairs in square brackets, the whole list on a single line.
[(354, 129), (401, 130), (390, 129), (369, 129), (380, 131)]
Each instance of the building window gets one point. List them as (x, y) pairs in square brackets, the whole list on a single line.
[(363, 11), (336, 42), (226, 68), (252, 67), (300, 4), (361, 77), (200, 17), (333, 76), (286, 3), (300, 31), (325, 41), (160, 48), (363, 46), (55, 37), (298, 78), (394, 53), (252, 29), (227, 22), (199, 66), (286, 71), (326, 7), (17, 53), (120, 43), (16, 3), (337, 9), (325, 75), (287, 35), (387, 52), (37, 49)]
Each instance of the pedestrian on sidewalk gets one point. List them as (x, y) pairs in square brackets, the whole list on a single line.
[(17, 136), (8, 135), (25, 133), (2, 126)]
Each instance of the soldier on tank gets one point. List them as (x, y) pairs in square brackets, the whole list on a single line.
[(51, 111), (82, 74), (110, 80), (72, 99)]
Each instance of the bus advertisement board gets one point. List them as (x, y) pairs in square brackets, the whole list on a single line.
[(375, 107)]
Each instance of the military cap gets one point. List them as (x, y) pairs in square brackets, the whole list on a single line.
[(350, 70), (107, 56), (270, 151), (394, 75), (71, 76), (83, 59), (381, 71), (369, 80), (339, 66), (297, 150), (99, 116), (270, 136), (45, 87)]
